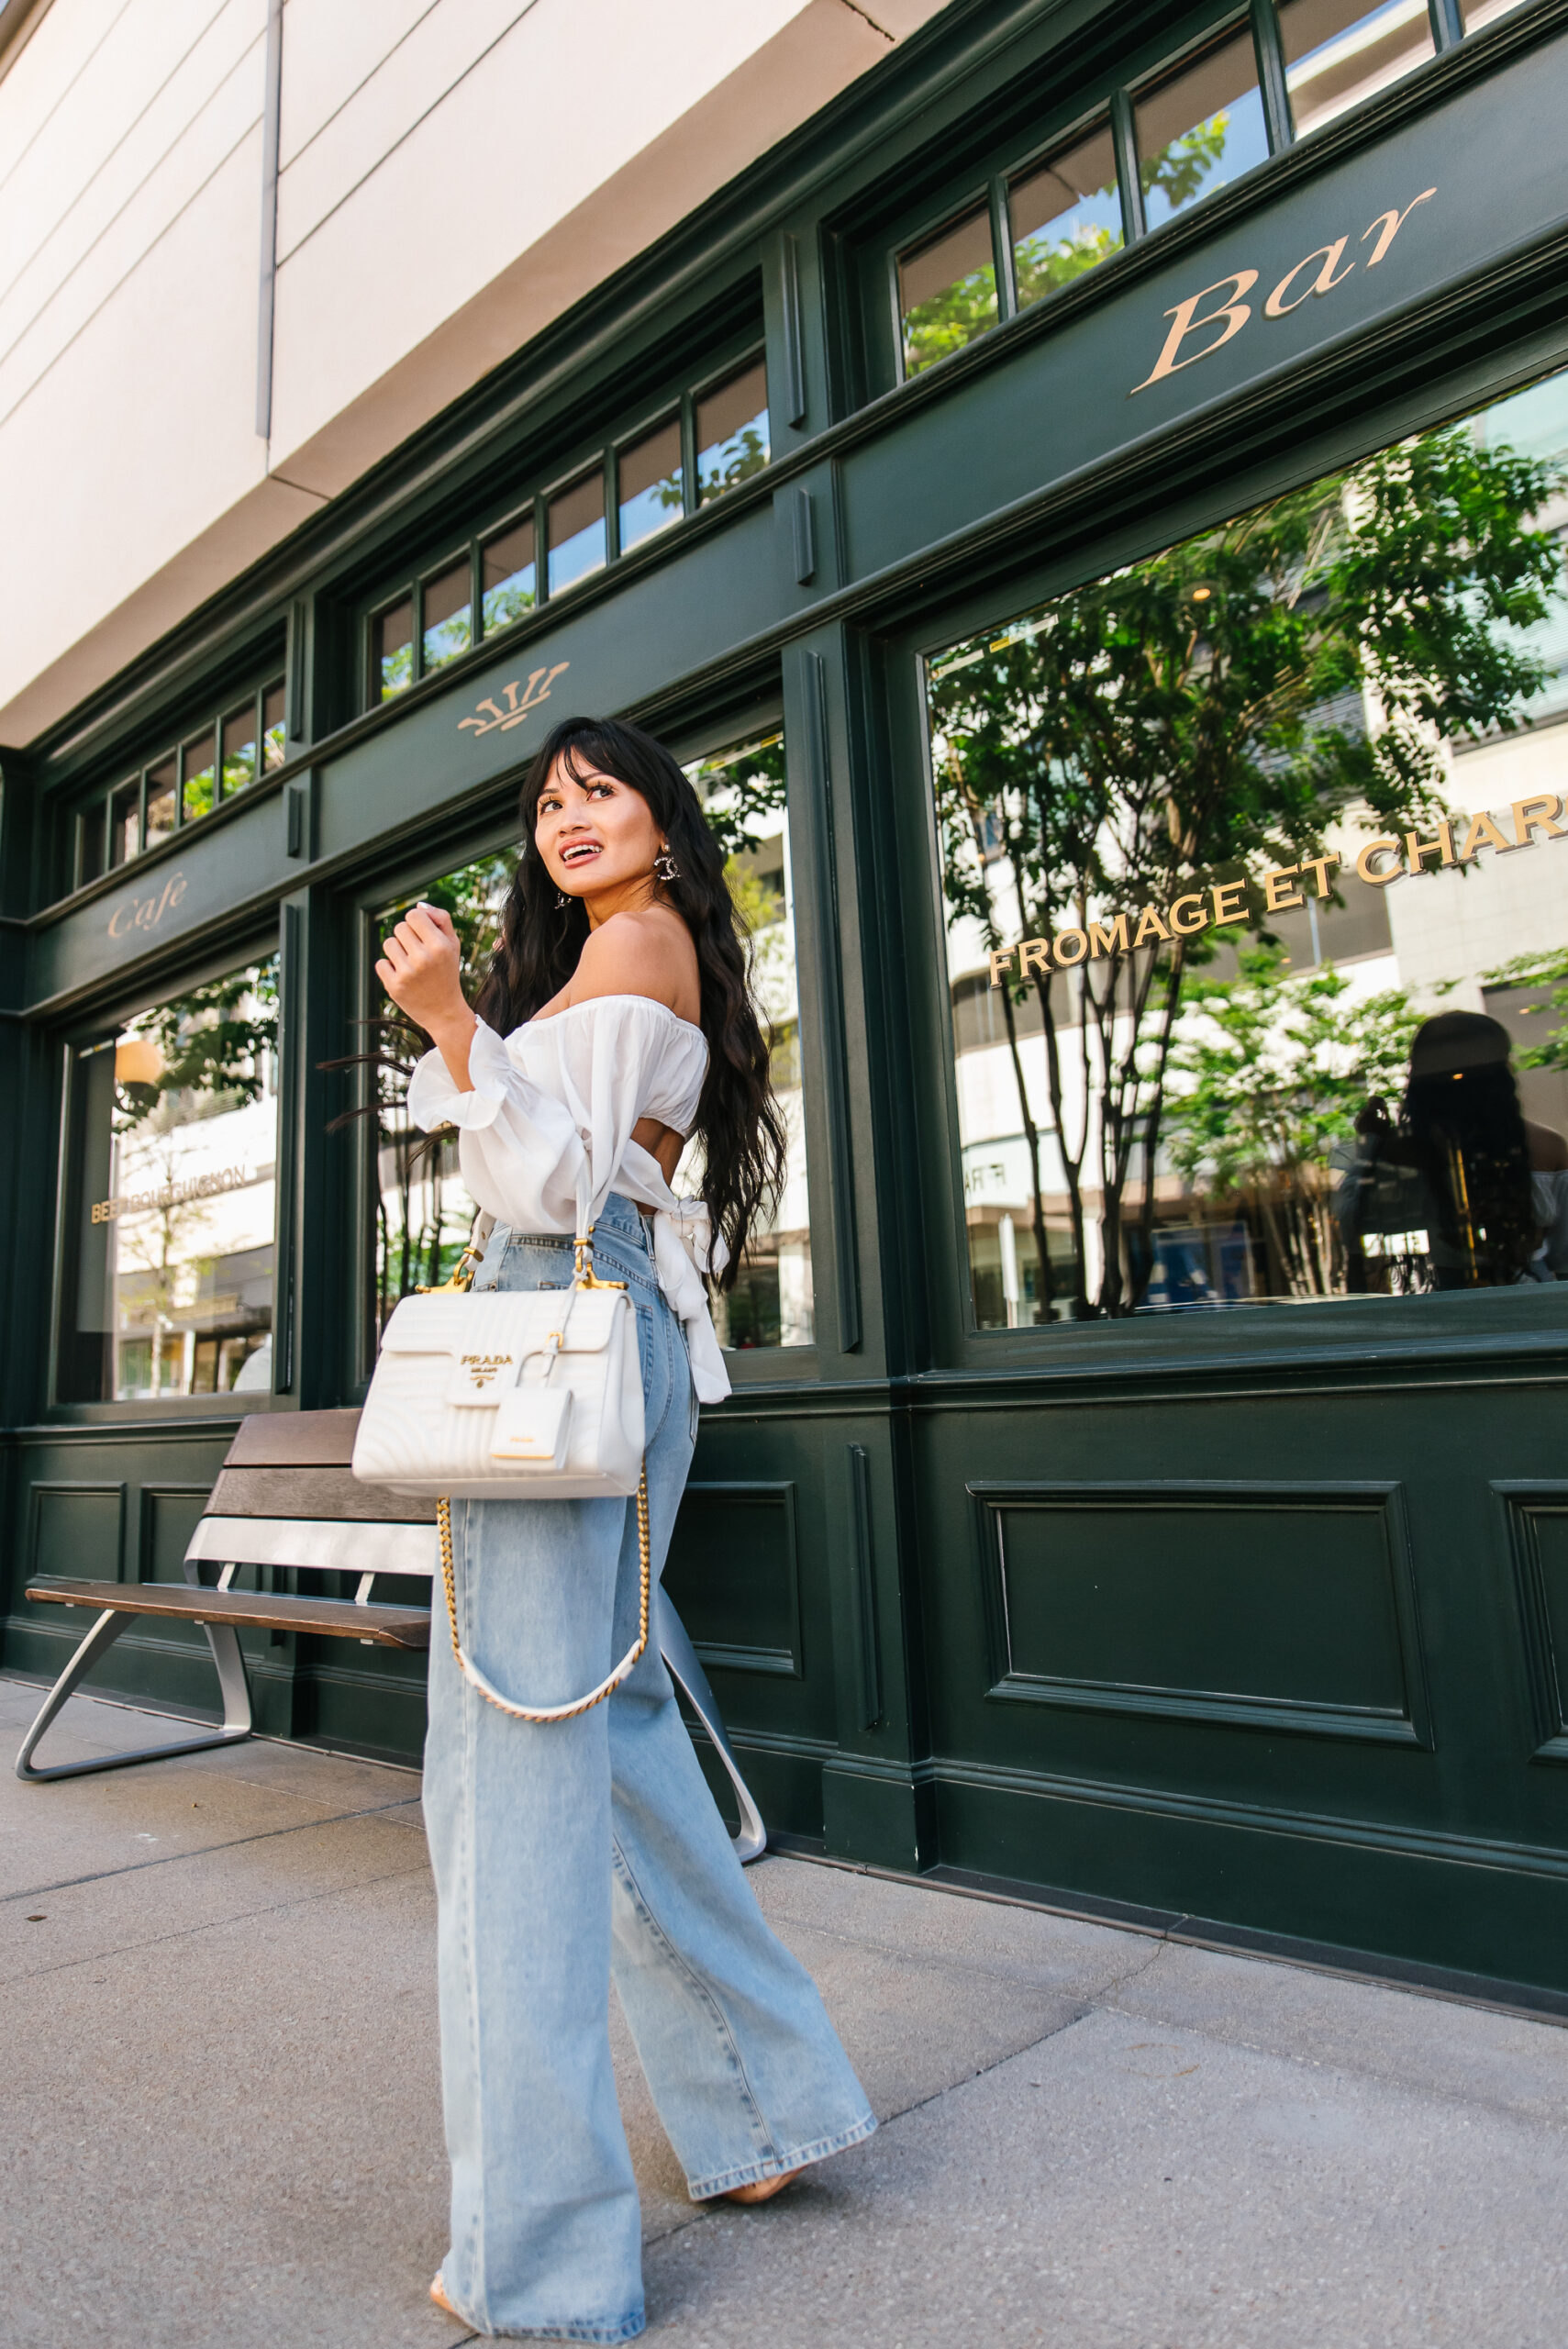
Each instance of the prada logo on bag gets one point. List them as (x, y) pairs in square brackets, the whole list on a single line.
[(482, 1370)]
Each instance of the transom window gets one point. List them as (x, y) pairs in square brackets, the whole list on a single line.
[(1156, 146), (220, 757), (709, 440)]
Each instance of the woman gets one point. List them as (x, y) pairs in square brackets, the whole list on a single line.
[(614, 1024)]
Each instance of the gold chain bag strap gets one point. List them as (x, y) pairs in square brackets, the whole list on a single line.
[(585, 1277)]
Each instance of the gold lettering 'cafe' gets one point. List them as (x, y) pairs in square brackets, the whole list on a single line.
[(1089, 516)]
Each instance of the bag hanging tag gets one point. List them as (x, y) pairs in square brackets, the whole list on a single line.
[(533, 1423)]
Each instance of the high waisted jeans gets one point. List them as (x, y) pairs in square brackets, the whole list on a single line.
[(567, 1850)]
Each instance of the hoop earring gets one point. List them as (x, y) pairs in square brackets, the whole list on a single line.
[(664, 865)]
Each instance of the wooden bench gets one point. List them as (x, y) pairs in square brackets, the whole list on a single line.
[(286, 1501)]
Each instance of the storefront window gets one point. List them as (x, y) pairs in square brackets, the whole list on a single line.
[(507, 573), (198, 777), (1337, 52), (392, 650), (731, 428), (238, 766), (162, 799), (1065, 217), (946, 289), (446, 617), (423, 1210), (168, 1286), (124, 822), (743, 794), (577, 532), (652, 484), (1202, 128), (1254, 856)]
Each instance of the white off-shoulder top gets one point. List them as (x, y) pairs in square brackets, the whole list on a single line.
[(545, 1137)]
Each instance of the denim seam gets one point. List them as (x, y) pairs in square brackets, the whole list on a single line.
[(666, 1316), (683, 1964), (626, 2328), (468, 1698), (797, 2157)]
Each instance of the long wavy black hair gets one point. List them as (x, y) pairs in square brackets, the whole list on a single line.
[(738, 1121)]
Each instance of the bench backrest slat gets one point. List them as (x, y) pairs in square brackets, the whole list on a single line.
[(294, 1439), (317, 1492), (330, 1546)]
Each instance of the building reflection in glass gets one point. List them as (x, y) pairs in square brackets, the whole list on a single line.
[(423, 1209), (173, 1130)]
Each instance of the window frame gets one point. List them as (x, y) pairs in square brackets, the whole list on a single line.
[(561, 485), (604, 452), (210, 718), (743, 721), (410, 868), (528, 512), (740, 360), (109, 1014), (1285, 1329), (683, 413), (426, 577)]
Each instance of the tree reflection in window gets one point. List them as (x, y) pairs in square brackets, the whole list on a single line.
[(1177, 1122), (423, 1210), (168, 1290)]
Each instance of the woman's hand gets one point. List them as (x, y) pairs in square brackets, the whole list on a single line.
[(419, 968)]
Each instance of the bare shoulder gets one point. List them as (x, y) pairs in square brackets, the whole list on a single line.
[(648, 953), (1548, 1149)]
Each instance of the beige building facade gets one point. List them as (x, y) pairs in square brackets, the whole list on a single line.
[(246, 249)]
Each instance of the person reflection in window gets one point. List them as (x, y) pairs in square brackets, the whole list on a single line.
[(1463, 1170)]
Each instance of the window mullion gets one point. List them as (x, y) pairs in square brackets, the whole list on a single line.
[(1002, 250), (1271, 81), (1125, 135)]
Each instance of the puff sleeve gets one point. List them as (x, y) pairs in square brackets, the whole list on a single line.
[(542, 1151)]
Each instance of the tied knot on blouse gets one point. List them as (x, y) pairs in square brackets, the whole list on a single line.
[(545, 1137)]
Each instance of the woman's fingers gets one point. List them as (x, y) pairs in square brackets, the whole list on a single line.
[(428, 926)]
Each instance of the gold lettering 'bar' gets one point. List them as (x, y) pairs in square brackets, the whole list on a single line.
[(1381, 861)]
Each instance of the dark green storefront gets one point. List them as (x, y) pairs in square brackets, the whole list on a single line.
[(1035, 1572)]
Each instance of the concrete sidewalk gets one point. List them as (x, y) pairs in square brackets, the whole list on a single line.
[(220, 2096)]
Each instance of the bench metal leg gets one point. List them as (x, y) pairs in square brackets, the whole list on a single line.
[(681, 1659), (226, 1656)]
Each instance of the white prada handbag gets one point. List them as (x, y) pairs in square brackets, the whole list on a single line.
[(514, 1395)]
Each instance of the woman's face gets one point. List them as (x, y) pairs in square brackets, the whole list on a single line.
[(593, 832)]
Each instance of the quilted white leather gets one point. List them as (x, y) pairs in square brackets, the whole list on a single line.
[(429, 1421)]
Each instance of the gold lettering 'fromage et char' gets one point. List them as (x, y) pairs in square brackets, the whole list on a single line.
[(1380, 861)]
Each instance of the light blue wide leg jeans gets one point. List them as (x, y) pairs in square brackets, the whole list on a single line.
[(567, 1850)]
